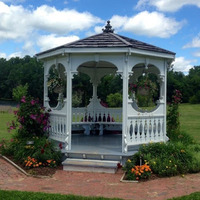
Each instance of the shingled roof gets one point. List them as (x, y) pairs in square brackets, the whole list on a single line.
[(108, 39)]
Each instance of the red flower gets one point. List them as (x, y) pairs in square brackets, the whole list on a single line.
[(60, 146), (42, 151), (119, 166)]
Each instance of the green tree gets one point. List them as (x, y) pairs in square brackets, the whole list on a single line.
[(19, 92)]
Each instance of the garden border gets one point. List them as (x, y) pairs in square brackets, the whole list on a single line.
[(127, 181), (20, 169)]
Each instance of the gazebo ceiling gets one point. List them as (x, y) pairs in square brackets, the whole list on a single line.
[(108, 39)]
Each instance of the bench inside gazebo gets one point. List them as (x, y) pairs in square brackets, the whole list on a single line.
[(95, 137)]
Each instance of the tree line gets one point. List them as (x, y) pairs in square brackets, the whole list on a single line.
[(29, 71)]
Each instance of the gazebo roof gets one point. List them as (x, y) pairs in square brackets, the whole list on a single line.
[(108, 39)]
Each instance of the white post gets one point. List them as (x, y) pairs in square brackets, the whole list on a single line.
[(46, 76), (165, 100), (125, 103), (69, 105)]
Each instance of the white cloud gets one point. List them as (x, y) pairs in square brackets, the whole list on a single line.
[(118, 21), (194, 44), (182, 65), (15, 54), (50, 41), (62, 21), (2, 55), (26, 25), (10, 28), (197, 54), (167, 5), (152, 24)]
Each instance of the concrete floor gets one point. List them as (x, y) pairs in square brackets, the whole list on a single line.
[(107, 143)]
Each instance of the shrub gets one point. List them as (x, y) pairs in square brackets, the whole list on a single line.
[(40, 150), (114, 100), (173, 122), (165, 159), (19, 92), (31, 118), (30, 144)]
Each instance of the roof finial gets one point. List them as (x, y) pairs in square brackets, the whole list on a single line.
[(108, 28)]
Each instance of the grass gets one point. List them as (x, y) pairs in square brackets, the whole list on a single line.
[(6, 115), (18, 195), (193, 196), (190, 119)]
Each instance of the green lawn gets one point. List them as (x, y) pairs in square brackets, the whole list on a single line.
[(19, 195), (190, 119), (5, 117)]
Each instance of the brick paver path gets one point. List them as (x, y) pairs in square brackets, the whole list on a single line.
[(98, 184)]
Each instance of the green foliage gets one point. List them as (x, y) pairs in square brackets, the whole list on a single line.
[(21, 71), (193, 196), (31, 118), (195, 99), (81, 85), (19, 92), (114, 100), (19, 195), (40, 149), (110, 84), (168, 159), (173, 122), (76, 99)]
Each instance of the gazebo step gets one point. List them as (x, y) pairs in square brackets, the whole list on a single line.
[(93, 156), (88, 165)]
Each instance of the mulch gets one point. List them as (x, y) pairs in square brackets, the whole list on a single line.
[(39, 171)]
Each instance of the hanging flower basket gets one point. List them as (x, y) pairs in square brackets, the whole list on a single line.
[(58, 89), (143, 91)]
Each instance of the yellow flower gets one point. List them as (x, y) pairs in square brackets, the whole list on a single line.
[(128, 160)]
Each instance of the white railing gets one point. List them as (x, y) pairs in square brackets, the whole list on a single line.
[(57, 130), (108, 115), (145, 129)]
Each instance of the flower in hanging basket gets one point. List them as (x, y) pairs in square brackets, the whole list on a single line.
[(145, 86), (56, 85)]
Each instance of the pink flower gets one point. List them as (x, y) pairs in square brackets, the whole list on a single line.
[(33, 102), (1, 145), (15, 112), (11, 140), (23, 100), (32, 116)]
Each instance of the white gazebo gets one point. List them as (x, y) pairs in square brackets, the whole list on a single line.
[(97, 56)]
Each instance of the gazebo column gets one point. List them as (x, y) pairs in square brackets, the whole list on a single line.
[(46, 76), (125, 105)]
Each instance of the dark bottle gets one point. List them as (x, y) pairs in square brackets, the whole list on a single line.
[(108, 118), (99, 119), (96, 118), (104, 118), (85, 118), (89, 118)]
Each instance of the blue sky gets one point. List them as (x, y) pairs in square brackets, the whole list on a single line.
[(28, 26)]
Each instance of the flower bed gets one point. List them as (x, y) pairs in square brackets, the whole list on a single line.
[(30, 147)]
